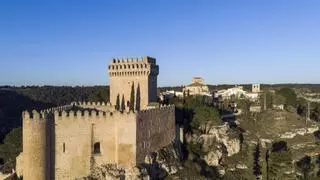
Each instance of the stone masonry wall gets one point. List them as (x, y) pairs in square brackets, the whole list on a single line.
[(156, 129), (60, 145), (77, 132)]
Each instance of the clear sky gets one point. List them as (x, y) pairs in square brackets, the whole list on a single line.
[(70, 42)]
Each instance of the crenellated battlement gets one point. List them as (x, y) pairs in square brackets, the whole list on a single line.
[(73, 115), (58, 108), (92, 104), (82, 114), (101, 106), (33, 115), (133, 67), (162, 109), (145, 59)]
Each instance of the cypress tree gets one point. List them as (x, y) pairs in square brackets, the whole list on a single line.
[(131, 107), (138, 98), (123, 106), (118, 103), (256, 165)]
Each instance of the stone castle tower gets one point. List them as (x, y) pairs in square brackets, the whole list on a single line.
[(66, 142), (142, 73)]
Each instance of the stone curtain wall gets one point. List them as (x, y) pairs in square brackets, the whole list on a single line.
[(155, 129), (60, 145), (73, 143), (79, 131)]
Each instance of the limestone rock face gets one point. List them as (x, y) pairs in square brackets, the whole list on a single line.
[(241, 166), (216, 143), (232, 145), (213, 158), (301, 131), (111, 171), (164, 162), (158, 165)]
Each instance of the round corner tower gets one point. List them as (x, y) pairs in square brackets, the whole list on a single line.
[(35, 146), (141, 72)]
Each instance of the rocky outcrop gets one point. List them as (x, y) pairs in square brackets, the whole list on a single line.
[(111, 171), (158, 165), (213, 158), (164, 162), (301, 131), (218, 142)]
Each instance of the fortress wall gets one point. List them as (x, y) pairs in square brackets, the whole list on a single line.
[(73, 142), (77, 132), (126, 138), (101, 106), (36, 144), (156, 129), (106, 133)]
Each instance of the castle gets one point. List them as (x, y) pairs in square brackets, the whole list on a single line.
[(67, 142)]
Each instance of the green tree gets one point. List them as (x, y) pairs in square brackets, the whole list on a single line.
[(123, 105), (318, 163), (131, 105), (302, 110), (305, 166), (237, 175), (279, 162), (256, 166), (315, 113), (118, 103), (205, 118), (269, 98), (138, 98), (245, 104), (279, 99), (11, 148), (289, 95)]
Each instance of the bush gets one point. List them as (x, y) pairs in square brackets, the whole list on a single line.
[(205, 118), (11, 148)]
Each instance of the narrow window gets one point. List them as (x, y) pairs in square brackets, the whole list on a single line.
[(64, 148), (96, 148)]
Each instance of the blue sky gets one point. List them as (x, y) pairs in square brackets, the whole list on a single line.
[(225, 41)]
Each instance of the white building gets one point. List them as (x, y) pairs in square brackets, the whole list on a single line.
[(197, 87), (170, 95), (255, 88), (238, 93)]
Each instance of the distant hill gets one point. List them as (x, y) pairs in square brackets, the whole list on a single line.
[(14, 100)]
